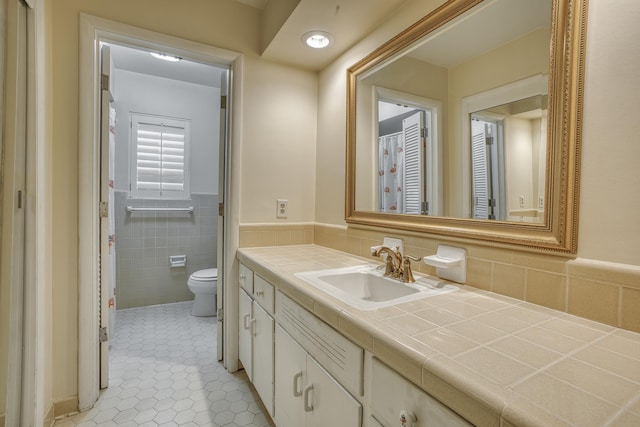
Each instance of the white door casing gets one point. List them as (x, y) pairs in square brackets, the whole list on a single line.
[(103, 279), (223, 162)]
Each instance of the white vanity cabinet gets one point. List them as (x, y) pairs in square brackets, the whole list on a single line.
[(256, 333), (309, 375), (305, 394)]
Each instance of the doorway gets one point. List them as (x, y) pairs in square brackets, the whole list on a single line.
[(160, 161), (409, 160), (95, 32)]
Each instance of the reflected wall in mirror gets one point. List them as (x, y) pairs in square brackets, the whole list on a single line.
[(467, 124)]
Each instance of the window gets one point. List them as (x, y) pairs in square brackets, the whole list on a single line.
[(159, 157)]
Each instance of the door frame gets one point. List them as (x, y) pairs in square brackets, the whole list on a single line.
[(529, 86), (93, 31), (433, 151)]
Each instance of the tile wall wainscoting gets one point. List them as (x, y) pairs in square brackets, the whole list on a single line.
[(145, 240), (602, 291)]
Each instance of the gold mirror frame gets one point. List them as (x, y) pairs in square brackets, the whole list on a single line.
[(558, 232)]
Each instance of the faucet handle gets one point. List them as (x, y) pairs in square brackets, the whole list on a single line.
[(407, 274)]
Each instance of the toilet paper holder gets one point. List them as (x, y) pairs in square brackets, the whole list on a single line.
[(177, 261)]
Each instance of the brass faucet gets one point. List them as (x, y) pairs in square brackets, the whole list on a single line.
[(396, 265)]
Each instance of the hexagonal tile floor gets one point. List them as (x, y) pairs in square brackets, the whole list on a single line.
[(163, 372)]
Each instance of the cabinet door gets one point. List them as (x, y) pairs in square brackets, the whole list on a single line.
[(290, 378), (326, 403), (263, 355), (244, 332)]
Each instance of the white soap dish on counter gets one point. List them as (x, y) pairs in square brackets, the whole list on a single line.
[(450, 263)]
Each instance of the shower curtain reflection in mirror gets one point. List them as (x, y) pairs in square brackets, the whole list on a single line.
[(402, 158)]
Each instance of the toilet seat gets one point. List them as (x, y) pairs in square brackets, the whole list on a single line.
[(205, 275)]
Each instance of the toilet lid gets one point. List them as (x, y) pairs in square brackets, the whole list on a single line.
[(207, 274)]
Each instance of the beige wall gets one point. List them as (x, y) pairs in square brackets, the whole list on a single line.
[(609, 219), (278, 135)]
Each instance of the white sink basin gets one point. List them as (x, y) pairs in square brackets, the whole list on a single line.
[(364, 287)]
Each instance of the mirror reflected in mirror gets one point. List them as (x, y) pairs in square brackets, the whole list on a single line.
[(458, 122), (508, 153)]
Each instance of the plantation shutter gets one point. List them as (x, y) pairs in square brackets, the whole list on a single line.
[(160, 158), (412, 188), (480, 180)]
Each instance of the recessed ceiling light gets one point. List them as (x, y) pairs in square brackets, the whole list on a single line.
[(317, 39), (166, 57)]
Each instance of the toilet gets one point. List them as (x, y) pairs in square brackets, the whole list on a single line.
[(203, 284)]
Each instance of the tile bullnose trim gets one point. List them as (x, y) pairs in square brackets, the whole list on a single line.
[(605, 271)]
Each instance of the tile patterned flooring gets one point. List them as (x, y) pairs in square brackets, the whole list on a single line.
[(164, 372)]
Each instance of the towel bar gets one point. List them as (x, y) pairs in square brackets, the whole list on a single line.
[(135, 209)]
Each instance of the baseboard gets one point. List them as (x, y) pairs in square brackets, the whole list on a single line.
[(49, 417), (65, 407)]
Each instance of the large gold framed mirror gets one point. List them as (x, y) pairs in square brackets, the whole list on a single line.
[(468, 124)]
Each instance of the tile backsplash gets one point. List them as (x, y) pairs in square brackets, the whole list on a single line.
[(602, 291), (145, 240)]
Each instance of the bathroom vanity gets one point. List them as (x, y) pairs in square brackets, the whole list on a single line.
[(467, 357)]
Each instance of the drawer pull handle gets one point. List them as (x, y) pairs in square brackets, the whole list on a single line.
[(407, 418), (252, 326), (308, 407), (246, 321), (296, 390), (242, 277), (259, 293)]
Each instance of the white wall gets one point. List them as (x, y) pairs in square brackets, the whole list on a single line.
[(140, 93)]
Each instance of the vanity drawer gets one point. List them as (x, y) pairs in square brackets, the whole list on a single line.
[(245, 277), (263, 293), (391, 394)]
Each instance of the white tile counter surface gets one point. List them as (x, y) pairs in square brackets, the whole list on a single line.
[(495, 360)]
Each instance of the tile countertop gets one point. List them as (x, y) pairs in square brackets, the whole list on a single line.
[(495, 360)]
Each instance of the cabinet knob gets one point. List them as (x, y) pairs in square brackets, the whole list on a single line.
[(407, 418), (242, 277), (259, 293)]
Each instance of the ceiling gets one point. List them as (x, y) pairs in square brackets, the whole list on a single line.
[(347, 20), (140, 61), (507, 19)]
